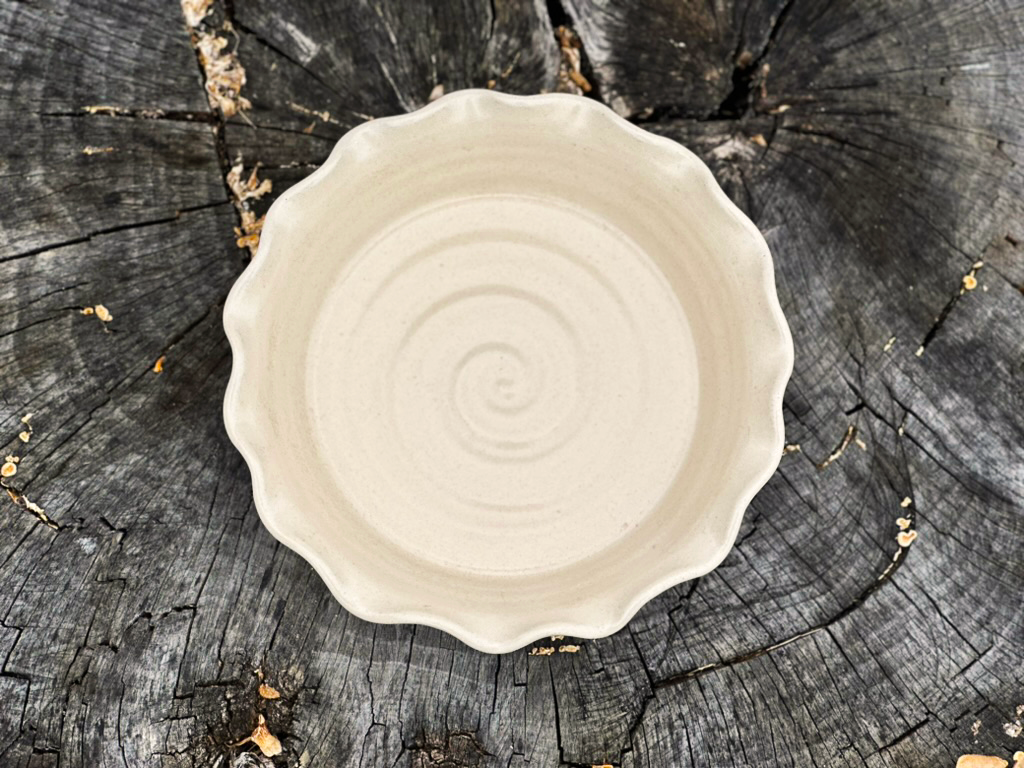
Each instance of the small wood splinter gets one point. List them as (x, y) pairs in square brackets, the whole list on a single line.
[(268, 743)]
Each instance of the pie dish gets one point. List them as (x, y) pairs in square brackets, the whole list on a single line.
[(507, 366)]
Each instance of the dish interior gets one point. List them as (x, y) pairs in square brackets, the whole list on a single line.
[(520, 354)]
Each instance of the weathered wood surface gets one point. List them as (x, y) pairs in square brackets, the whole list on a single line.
[(879, 146)]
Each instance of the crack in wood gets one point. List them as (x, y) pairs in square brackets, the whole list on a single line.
[(110, 231)]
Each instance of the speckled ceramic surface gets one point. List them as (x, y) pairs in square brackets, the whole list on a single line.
[(507, 366)]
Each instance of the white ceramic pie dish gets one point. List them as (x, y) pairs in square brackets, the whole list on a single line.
[(507, 366)]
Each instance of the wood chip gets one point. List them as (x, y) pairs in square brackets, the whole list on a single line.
[(981, 761), (321, 114), (195, 11), (23, 501), (225, 76), (570, 78), (906, 538), (158, 366), (250, 189), (250, 231), (268, 692), (268, 743)]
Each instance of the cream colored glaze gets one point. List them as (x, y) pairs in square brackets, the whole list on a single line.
[(507, 366), (502, 370)]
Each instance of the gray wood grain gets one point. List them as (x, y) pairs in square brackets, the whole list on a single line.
[(878, 146)]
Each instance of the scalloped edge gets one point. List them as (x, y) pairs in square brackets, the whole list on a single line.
[(776, 367)]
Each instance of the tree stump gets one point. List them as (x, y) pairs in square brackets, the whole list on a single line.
[(879, 147)]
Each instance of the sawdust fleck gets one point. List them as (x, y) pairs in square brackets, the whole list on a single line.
[(981, 761), (970, 281), (268, 743), (920, 351), (225, 75), (23, 501), (97, 150), (269, 692), (249, 189), (889, 343), (570, 78), (906, 538), (322, 115), (195, 11), (113, 111), (248, 235), (101, 312), (790, 448)]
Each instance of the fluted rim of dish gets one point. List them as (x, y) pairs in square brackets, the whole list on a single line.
[(758, 458)]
